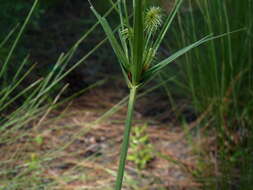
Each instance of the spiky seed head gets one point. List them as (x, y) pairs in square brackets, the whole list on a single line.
[(127, 33), (153, 19)]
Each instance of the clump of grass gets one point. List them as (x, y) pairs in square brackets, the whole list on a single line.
[(219, 76), (23, 107), (135, 45)]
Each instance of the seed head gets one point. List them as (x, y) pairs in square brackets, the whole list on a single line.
[(153, 19), (127, 33)]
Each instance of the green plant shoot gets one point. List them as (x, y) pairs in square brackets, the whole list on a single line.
[(140, 148), (136, 45)]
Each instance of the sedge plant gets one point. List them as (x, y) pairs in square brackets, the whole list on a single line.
[(136, 44)]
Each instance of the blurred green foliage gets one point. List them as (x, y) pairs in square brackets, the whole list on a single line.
[(13, 12), (218, 78), (141, 150)]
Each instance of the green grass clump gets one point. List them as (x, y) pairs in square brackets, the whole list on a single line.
[(25, 101), (218, 78)]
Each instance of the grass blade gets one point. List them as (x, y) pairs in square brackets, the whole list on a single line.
[(167, 24), (179, 53), (3, 70), (114, 43)]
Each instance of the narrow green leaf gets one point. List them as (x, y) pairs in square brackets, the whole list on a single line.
[(114, 43), (125, 74), (179, 53), (153, 70), (8, 36), (13, 99), (18, 72), (167, 24), (12, 87), (3, 69)]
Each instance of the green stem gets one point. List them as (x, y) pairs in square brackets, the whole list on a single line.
[(124, 148)]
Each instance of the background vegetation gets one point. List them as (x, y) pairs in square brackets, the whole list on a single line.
[(210, 87)]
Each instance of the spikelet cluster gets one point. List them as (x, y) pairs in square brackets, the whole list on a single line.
[(127, 33), (153, 19)]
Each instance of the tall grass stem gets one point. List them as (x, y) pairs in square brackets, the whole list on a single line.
[(124, 148)]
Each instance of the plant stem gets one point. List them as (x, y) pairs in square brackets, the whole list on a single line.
[(124, 148)]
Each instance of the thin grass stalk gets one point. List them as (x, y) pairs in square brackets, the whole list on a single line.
[(3, 70), (9, 35), (124, 148)]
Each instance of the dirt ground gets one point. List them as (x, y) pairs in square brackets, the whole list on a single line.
[(84, 148)]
